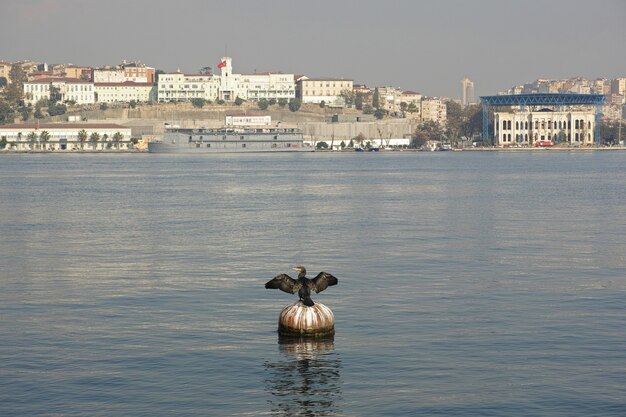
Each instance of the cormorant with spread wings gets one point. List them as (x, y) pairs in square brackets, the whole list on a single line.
[(302, 285)]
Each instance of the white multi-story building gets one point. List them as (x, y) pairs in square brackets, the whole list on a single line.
[(133, 71), (248, 120), (125, 92), (467, 91), (328, 90), (184, 87), (66, 136), (108, 75), (434, 109), (268, 86), (227, 86), (389, 98), (69, 89), (575, 127)]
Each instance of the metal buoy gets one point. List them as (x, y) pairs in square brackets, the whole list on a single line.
[(299, 320)]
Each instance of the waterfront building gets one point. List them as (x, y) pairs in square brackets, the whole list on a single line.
[(543, 119), (65, 136), (433, 109), (177, 86), (267, 86), (328, 90), (577, 85), (74, 71), (69, 89), (229, 83), (413, 101), (248, 120), (409, 97), (467, 91), (614, 99), (601, 86), (30, 66), (63, 71), (361, 88), (389, 98), (529, 128), (227, 86), (138, 72), (127, 71), (108, 75), (618, 86), (125, 92)]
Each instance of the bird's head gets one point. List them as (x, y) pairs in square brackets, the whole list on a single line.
[(300, 269)]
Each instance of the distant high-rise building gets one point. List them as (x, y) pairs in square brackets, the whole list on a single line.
[(467, 93)]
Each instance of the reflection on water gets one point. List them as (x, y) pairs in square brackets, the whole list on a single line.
[(306, 380)]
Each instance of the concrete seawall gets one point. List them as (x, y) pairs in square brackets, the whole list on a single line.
[(314, 121)]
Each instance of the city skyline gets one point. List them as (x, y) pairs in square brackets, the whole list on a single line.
[(419, 46)]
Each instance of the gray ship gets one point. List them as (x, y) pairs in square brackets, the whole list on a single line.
[(230, 139)]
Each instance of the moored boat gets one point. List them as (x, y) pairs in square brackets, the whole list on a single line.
[(230, 139)]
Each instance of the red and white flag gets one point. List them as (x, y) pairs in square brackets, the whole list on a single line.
[(222, 64)]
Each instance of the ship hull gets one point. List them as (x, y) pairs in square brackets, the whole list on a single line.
[(195, 141)]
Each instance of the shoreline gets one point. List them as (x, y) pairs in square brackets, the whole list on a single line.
[(479, 149)]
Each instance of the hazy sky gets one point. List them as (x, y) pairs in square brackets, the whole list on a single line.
[(425, 46)]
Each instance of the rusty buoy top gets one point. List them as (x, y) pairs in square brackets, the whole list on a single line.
[(298, 319)]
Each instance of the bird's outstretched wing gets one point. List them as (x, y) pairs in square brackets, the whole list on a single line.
[(284, 283), (322, 281)]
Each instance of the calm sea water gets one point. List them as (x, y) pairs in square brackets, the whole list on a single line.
[(472, 283)]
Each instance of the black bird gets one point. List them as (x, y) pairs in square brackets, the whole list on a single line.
[(302, 285)]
